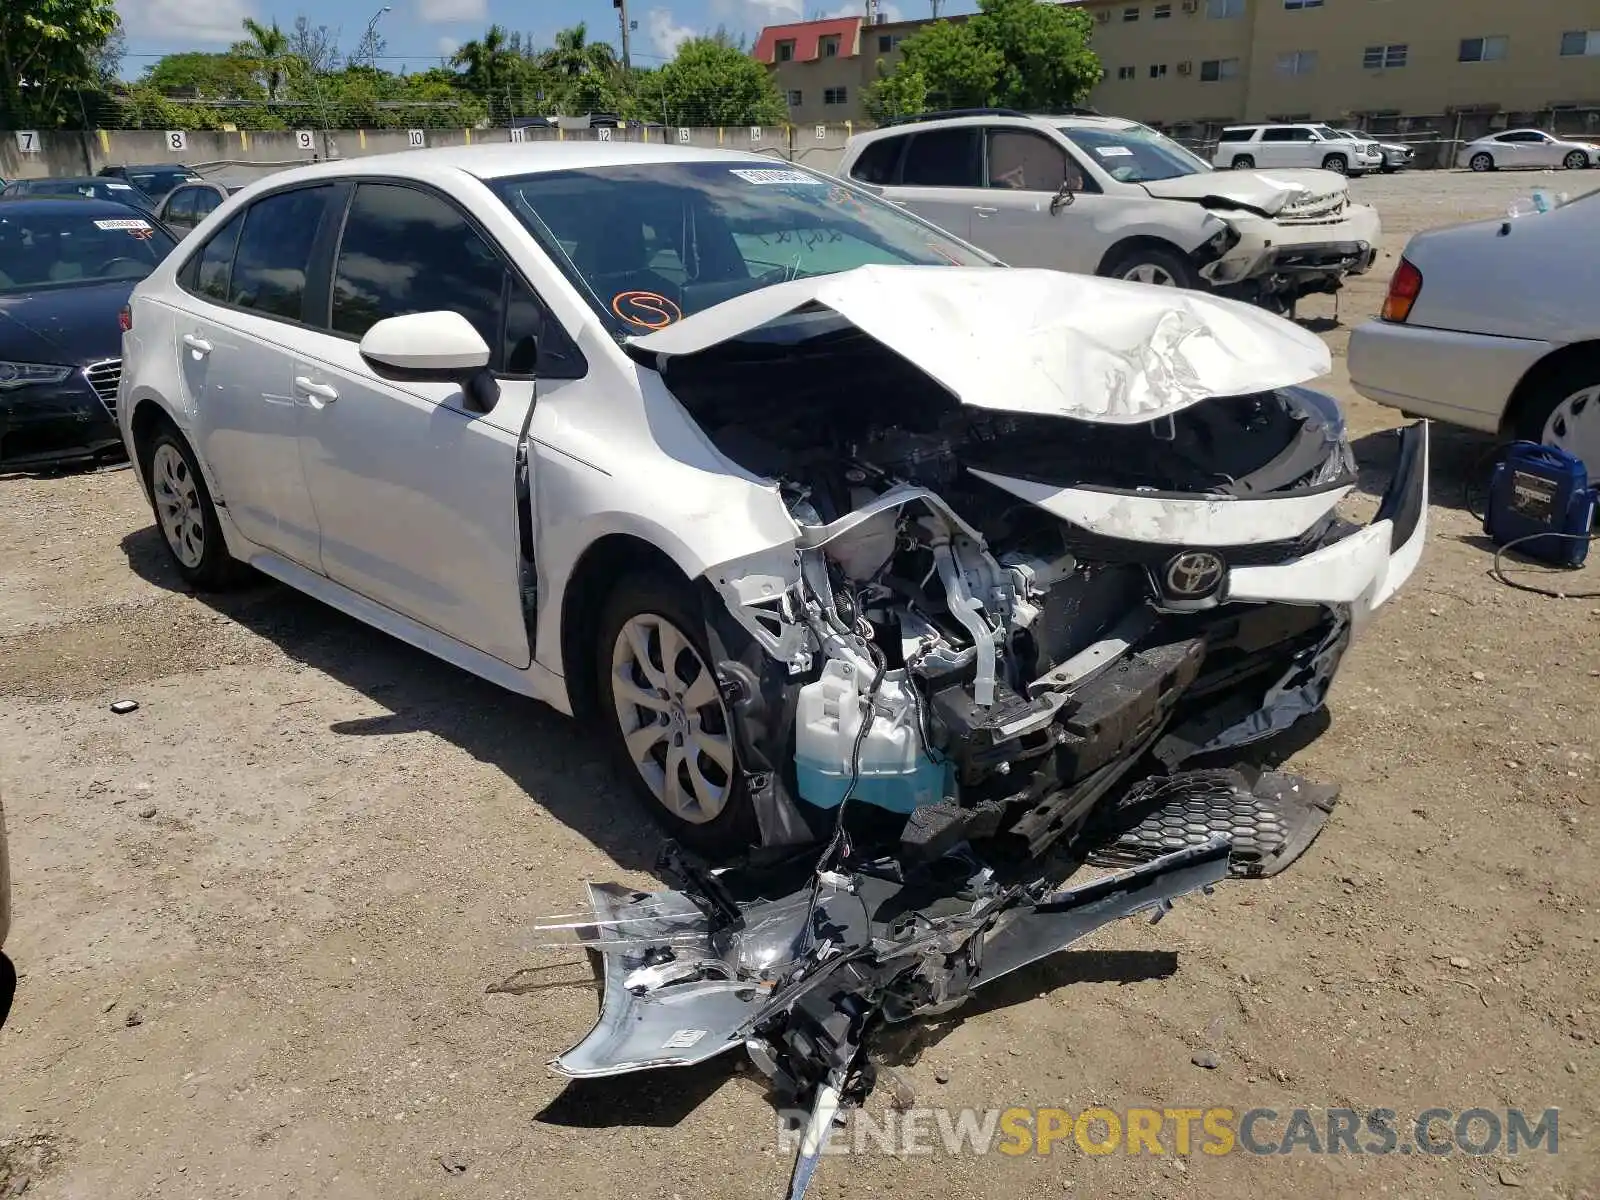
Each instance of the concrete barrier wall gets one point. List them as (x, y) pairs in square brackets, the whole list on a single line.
[(242, 156)]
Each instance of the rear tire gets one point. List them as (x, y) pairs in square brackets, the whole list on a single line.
[(1337, 163), (668, 724), (1564, 410), (1482, 161), (1243, 162), (1153, 265), (185, 515)]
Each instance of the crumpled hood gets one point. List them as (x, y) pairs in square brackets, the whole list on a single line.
[(1268, 191), (1037, 341)]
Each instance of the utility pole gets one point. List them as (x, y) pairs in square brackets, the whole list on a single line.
[(622, 16), (936, 5)]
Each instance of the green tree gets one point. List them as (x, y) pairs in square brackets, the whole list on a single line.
[(266, 47), (490, 66), (899, 94), (1011, 53), (226, 76), (710, 82), (47, 53)]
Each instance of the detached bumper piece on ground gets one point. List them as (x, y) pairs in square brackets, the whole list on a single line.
[(802, 969)]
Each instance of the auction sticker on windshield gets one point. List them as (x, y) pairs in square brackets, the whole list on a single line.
[(777, 175), (131, 223), (1113, 152)]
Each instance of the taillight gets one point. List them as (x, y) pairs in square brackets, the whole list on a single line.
[(1404, 289), (125, 318)]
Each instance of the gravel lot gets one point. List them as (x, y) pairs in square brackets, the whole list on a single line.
[(262, 921)]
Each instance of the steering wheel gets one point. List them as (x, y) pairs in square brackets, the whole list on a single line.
[(105, 267)]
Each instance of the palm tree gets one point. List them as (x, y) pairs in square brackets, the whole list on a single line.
[(490, 65), (574, 55), (266, 46)]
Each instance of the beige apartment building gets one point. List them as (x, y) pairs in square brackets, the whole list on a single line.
[(1190, 66)]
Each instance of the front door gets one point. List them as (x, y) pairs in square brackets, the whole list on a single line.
[(416, 493), (241, 315), (1014, 219)]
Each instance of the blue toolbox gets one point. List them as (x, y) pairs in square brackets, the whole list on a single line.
[(1540, 500)]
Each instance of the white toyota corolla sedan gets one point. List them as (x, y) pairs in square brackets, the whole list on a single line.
[(797, 494)]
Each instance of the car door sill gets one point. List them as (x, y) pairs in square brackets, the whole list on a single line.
[(534, 680)]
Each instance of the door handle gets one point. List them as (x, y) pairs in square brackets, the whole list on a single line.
[(324, 392), (196, 343), (984, 210)]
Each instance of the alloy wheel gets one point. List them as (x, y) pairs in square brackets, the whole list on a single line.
[(1577, 160), (178, 505), (1481, 162), (1336, 164), (673, 719), (1152, 273), (1574, 425)]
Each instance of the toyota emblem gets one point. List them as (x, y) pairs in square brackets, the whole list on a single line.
[(1194, 575)]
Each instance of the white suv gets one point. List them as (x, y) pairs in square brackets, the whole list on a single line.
[(1242, 147), (1107, 196)]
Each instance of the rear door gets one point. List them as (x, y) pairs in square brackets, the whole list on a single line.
[(941, 176), (1013, 219), (415, 492), (244, 299)]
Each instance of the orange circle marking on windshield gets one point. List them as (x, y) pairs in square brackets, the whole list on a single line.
[(649, 309)]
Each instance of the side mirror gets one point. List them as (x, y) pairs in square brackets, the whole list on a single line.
[(1062, 199), (433, 347)]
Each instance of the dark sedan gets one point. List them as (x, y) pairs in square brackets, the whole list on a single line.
[(91, 187), (153, 179), (66, 269)]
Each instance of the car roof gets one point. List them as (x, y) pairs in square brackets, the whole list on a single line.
[(1048, 120), (88, 207), (506, 159), (166, 166), (1278, 125)]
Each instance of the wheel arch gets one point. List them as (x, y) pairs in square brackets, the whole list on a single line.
[(1141, 241), (1543, 372), (603, 563)]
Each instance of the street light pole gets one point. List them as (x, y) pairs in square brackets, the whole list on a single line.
[(371, 39), (622, 16)]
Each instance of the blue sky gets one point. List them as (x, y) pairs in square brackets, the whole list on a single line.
[(419, 32)]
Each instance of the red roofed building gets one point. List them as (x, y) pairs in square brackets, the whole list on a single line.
[(823, 67), (807, 41)]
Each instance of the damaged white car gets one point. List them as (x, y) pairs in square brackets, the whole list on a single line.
[(805, 500), (1109, 196)]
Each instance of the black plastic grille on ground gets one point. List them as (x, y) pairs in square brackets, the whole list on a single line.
[(1270, 823)]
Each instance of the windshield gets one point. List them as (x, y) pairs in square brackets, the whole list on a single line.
[(1332, 135), (1135, 155), (70, 248), (651, 243)]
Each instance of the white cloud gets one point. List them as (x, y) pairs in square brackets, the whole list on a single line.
[(177, 23), (448, 46), (889, 12), (760, 12), (665, 34), (437, 12)]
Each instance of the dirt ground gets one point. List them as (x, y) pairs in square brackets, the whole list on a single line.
[(260, 921)]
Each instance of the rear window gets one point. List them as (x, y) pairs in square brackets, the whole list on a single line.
[(879, 161), (71, 248)]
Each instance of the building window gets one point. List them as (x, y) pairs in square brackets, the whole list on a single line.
[(1297, 62), (834, 96), (1293, 4), (1161, 13), (1158, 70), (1214, 70), (1220, 9), (1126, 72), (1130, 14), (1484, 49), (784, 51), (1580, 43), (1380, 58), (795, 97), (830, 46)]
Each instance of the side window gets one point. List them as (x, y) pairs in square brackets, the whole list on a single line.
[(180, 208), (878, 161), (1236, 135), (943, 158), (1018, 159), (274, 254), (205, 203), (1301, 135), (1277, 135), (214, 263), (407, 251)]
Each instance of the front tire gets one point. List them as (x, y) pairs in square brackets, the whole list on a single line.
[(1481, 162), (1576, 161), (1243, 162), (185, 514), (1155, 266), (668, 723), (1337, 163)]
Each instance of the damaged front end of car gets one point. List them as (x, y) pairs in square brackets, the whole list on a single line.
[(1055, 537)]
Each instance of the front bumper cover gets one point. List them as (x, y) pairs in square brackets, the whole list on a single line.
[(44, 426)]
